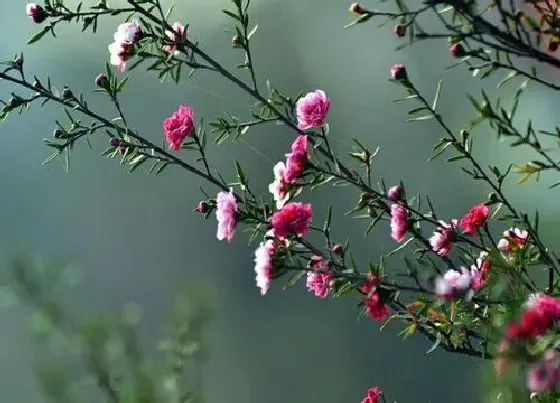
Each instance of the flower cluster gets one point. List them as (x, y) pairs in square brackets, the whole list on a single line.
[(540, 313), (455, 284)]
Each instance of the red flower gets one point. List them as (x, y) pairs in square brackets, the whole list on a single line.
[(294, 219), (474, 219), (373, 395)]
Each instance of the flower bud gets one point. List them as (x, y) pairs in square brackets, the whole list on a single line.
[(57, 133), (236, 41), (394, 193), (365, 196), (357, 9), (18, 62), (553, 45), (122, 150), (114, 142), (37, 85), (202, 207), (101, 80), (457, 50), (66, 93), (338, 249), (36, 13), (400, 30), (398, 72)]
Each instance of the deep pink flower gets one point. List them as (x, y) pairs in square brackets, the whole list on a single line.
[(279, 188), (443, 237), (540, 313), (394, 193), (312, 110), (399, 222), (475, 218), (226, 214), (36, 12), (125, 39), (545, 374), (178, 127), (454, 284), (375, 307), (293, 219), (296, 160), (398, 72), (373, 395), (319, 282), (174, 37)]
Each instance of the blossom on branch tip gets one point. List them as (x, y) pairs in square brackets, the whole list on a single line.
[(443, 237), (454, 284), (479, 271), (36, 12), (226, 214), (174, 37), (296, 160), (127, 36), (375, 307), (293, 219), (394, 193), (319, 278), (373, 395), (398, 72), (474, 220), (178, 127), (513, 239), (312, 110), (399, 222)]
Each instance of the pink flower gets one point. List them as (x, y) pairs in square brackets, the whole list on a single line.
[(264, 265), (319, 282), (513, 239), (398, 72), (127, 35), (443, 237), (296, 160), (293, 219), (226, 214), (394, 193), (454, 284), (312, 110), (473, 221), (178, 127), (540, 313), (279, 188), (36, 12), (373, 395), (174, 37), (545, 374), (375, 307), (399, 222), (479, 271)]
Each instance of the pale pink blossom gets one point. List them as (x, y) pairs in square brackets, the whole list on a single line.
[(545, 374), (399, 222), (293, 219), (279, 188), (125, 39), (226, 214), (312, 110), (479, 271), (373, 395), (296, 160), (174, 37), (264, 265), (319, 280), (513, 239), (443, 237), (454, 284), (178, 127)]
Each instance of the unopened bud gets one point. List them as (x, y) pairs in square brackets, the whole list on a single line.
[(394, 193), (122, 150), (358, 9), (36, 13), (338, 249), (236, 41), (57, 133), (66, 93), (114, 142), (457, 50), (398, 72), (101, 80), (553, 45), (400, 30), (202, 207)]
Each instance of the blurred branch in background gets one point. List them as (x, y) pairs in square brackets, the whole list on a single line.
[(101, 357)]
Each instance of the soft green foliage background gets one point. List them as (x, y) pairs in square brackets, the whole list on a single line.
[(136, 239)]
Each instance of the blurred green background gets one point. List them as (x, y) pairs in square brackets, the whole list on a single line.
[(137, 240)]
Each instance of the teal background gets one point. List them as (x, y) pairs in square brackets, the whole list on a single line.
[(136, 238)]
